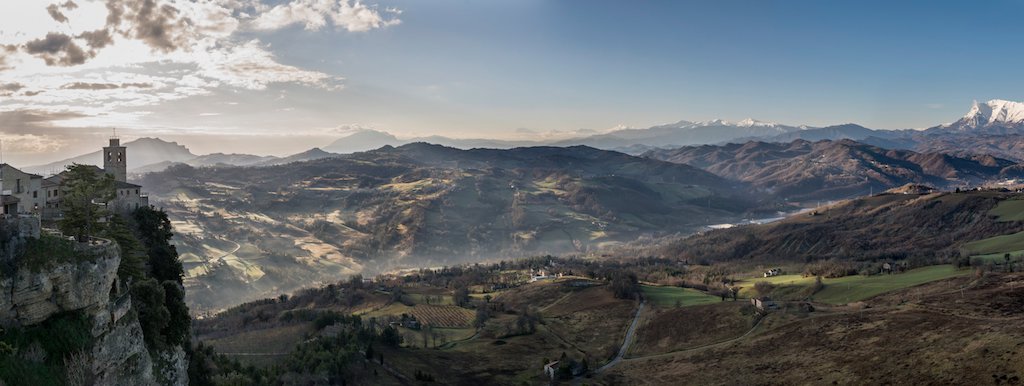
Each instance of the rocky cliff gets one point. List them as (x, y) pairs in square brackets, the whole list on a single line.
[(119, 356)]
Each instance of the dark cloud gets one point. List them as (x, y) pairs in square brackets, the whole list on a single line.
[(69, 5), (158, 25), (32, 93), (36, 122), (103, 86), (8, 89), (11, 86), (57, 49), (56, 14), (97, 39)]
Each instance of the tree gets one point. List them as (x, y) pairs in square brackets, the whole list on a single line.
[(461, 295), (369, 351), (83, 201), (624, 285), (155, 232), (763, 288), (481, 317), (178, 327), (148, 298), (133, 253)]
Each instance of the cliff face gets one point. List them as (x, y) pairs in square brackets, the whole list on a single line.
[(119, 355), (31, 297)]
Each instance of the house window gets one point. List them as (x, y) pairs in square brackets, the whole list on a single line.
[(136, 192), (35, 194)]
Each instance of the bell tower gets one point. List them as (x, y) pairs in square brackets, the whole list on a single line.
[(115, 159)]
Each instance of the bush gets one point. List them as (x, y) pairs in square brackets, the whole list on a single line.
[(36, 355)]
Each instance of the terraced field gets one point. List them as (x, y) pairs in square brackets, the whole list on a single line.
[(442, 316)]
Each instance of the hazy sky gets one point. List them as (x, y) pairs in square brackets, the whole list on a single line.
[(281, 76)]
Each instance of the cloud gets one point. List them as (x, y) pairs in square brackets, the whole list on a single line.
[(96, 39), (10, 88), (160, 25), (250, 66), (55, 10), (315, 14), (57, 49), (103, 86), (56, 14)]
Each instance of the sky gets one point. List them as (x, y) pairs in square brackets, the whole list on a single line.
[(282, 76)]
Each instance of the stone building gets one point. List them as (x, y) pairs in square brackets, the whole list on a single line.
[(24, 188), (127, 196)]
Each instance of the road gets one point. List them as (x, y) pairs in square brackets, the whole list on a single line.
[(626, 342)]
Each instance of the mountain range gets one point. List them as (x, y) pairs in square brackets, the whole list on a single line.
[(802, 170), (987, 129)]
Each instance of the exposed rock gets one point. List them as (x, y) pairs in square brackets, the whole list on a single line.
[(31, 297), (173, 368), (120, 356)]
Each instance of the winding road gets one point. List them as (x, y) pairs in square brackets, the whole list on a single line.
[(626, 342)]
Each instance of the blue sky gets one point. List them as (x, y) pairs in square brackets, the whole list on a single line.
[(506, 69)]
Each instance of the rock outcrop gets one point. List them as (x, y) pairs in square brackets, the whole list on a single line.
[(119, 355), (30, 297)]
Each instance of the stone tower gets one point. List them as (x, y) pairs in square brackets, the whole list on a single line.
[(115, 160)]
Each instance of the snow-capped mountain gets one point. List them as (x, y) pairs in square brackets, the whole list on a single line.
[(995, 115)]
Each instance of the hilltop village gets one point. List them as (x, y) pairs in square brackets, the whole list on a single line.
[(27, 194), (91, 289)]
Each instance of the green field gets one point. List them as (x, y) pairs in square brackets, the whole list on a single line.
[(856, 288), (1009, 210), (999, 257), (996, 245), (993, 248), (668, 296)]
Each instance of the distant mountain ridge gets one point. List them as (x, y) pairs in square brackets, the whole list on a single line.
[(141, 152), (802, 170)]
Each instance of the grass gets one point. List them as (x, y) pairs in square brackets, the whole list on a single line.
[(262, 347), (671, 329), (997, 244), (1009, 210), (669, 296), (999, 257), (856, 287), (443, 300)]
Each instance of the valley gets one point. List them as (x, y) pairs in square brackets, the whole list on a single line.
[(503, 323)]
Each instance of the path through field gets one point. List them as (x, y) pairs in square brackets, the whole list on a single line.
[(626, 342)]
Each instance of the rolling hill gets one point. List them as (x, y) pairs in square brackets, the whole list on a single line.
[(803, 170), (897, 225), (252, 231)]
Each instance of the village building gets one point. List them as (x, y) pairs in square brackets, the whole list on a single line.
[(31, 194), (22, 188)]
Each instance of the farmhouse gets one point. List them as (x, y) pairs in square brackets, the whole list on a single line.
[(551, 369), (764, 304)]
